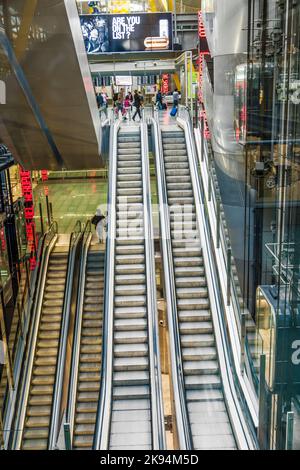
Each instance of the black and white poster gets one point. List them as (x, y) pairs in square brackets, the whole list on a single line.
[(127, 33)]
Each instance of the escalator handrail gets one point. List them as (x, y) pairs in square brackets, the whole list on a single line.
[(75, 238), (47, 245), (102, 429), (183, 427), (71, 401), (157, 412), (242, 433)]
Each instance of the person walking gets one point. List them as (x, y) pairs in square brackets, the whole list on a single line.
[(99, 221), (122, 94), (104, 104), (175, 98), (127, 108), (141, 98), (137, 104), (159, 100)]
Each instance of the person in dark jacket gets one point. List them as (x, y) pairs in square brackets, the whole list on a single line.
[(137, 104), (159, 100), (99, 98)]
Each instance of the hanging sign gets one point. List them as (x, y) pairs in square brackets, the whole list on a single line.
[(29, 214), (165, 83), (203, 51)]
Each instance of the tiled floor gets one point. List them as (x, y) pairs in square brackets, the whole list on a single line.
[(72, 200)]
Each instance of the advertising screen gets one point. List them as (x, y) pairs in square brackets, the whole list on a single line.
[(127, 33)]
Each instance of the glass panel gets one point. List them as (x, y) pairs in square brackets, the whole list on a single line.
[(266, 331), (296, 428), (4, 263)]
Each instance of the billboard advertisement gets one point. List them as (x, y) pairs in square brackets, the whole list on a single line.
[(145, 32)]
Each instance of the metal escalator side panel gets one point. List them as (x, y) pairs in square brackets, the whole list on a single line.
[(158, 432)]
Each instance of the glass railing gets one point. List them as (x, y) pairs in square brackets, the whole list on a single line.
[(14, 328), (220, 287), (249, 341), (233, 289), (295, 424)]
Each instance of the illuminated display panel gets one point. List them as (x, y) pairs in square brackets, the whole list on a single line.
[(145, 32)]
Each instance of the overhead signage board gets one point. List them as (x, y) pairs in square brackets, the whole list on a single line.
[(144, 32), (123, 80)]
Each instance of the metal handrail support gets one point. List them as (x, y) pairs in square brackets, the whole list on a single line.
[(102, 429), (158, 431)]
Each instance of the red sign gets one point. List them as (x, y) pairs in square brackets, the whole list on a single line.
[(3, 241), (203, 52), (201, 29), (29, 214), (200, 70), (165, 83)]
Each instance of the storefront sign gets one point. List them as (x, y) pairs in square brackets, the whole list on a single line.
[(127, 33)]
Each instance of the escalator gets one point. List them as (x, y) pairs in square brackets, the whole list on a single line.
[(40, 398), (45, 362), (207, 413), (130, 410), (89, 366), (131, 417)]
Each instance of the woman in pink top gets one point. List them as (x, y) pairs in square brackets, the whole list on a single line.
[(127, 107)]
